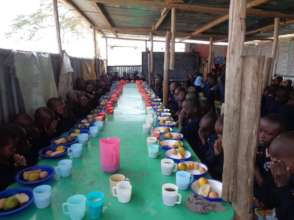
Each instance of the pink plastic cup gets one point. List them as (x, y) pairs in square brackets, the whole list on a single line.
[(110, 154)]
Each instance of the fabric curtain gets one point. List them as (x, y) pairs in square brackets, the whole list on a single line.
[(36, 79), (11, 101), (65, 84)]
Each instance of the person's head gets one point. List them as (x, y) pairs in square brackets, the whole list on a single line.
[(206, 124), (192, 96), (270, 127), (7, 147), (190, 108), (172, 87), (281, 95), (56, 105), (191, 89), (218, 127), (21, 138), (279, 79), (211, 79), (90, 87), (46, 121), (269, 91), (83, 100), (180, 97), (282, 148)]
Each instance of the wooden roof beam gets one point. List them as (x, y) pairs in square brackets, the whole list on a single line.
[(92, 23), (195, 7), (163, 15), (222, 19), (270, 27), (105, 18)]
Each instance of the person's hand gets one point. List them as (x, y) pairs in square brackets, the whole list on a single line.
[(217, 147), (19, 160), (280, 173), (201, 136), (258, 176)]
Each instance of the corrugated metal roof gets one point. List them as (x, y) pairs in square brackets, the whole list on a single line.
[(139, 17)]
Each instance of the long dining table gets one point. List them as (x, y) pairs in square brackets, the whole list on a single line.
[(143, 172)]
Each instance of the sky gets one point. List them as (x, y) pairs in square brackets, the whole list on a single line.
[(120, 52)]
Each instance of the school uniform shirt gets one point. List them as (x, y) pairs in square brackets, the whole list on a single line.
[(189, 130), (281, 198)]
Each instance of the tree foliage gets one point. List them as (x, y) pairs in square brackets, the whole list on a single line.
[(32, 26)]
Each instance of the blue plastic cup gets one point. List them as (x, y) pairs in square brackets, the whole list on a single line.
[(75, 207), (99, 124), (42, 196), (93, 130), (75, 150), (95, 202), (83, 138), (63, 168), (153, 150), (183, 179)]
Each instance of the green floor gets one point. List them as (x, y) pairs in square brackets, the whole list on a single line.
[(143, 172)]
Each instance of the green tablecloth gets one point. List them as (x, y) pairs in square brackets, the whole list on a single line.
[(143, 172)]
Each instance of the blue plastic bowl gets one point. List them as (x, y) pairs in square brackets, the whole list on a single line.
[(11, 192), (215, 185), (42, 152), (50, 170), (169, 155)]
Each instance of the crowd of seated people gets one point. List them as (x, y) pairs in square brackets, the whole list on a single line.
[(193, 105), (22, 139)]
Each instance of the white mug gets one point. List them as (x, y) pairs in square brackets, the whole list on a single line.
[(151, 140), (167, 166), (170, 194), (123, 191)]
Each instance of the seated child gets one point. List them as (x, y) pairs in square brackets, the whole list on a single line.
[(217, 160), (281, 195), (10, 161), (206, 137), (189, 121), (270, 127), (47, 123), (65, 118)]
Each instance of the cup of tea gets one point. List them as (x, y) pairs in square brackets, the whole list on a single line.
[(123, 191), (93, 130), (63, 168), (146, 128), (95, 202), (83, 138), (75, 207), (42, 196), (115, 179), (151, 140), (183, 179), (168, 166), (170, 194)]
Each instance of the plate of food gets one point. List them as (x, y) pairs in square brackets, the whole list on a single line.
[(53, 152), (162, 129), (35, 175), (195, 168), (168, 123), (15, 200), (178, 155), (66, 141), (169, 144), (165, 114), (210, 190), (173, 136)]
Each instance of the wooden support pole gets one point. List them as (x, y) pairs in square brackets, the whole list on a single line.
[(57, 26), (166, 69), (106, 45), (210, 57), (95, 50), (151, 60), (275, 48), (173, 38)]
